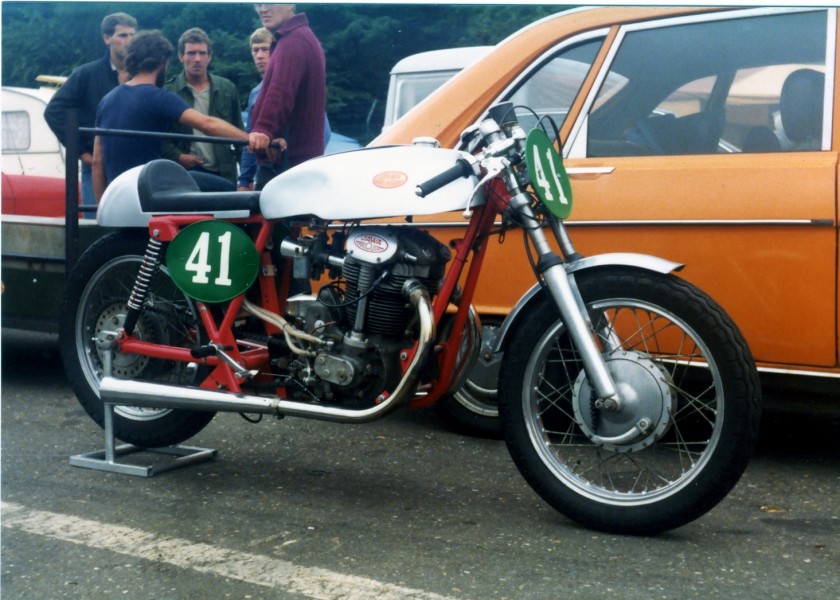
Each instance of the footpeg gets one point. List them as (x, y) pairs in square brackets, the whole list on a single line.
[(200, 352)]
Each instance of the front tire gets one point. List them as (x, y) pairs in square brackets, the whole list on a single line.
[(95, 303), (690, 415)]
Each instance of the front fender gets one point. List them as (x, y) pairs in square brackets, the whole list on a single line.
[(644, 262)]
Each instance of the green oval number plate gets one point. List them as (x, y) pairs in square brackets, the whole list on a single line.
[(548, 175), (212, 261)]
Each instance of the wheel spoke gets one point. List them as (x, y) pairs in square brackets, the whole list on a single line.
[(553, 397), (696, 406), (168, 317)]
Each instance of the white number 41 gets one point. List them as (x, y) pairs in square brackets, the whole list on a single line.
[(542, 179), (198, 263)]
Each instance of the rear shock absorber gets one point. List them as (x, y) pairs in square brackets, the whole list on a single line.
[(149, 268)]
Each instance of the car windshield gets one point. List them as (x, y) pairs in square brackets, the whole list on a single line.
[(412, 89), (550, 88)]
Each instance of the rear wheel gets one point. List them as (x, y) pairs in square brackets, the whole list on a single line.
[(95, 305), (690, 405), (474, 408)]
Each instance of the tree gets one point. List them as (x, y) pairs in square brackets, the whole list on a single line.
[(361, 41)]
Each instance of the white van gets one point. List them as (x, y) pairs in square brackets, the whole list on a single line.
[(416, 76), (29, 146)]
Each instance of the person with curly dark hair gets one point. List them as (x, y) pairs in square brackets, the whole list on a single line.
[(141, 104)]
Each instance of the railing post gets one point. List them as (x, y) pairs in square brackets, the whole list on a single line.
[(71, 191)]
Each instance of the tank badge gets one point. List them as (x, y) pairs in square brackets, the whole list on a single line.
[(390, 179), (371, 243)]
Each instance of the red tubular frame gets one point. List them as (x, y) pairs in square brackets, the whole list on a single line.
[(475, 241), (164, 229), (222, 376)]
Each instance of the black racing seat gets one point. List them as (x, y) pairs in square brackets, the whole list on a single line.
[(166, 187)]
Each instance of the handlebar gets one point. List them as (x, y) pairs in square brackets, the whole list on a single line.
[(462, 168)]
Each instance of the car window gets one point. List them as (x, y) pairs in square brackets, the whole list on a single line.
[(412, 89), (753, 84), (16, 131), (550, 89)]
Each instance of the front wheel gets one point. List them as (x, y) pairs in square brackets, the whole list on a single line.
[(689, 415), (95, 304)]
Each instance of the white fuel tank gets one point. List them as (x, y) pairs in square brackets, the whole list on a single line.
[(367, 183)]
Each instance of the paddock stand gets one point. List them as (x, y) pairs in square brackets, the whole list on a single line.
[(106, 460)]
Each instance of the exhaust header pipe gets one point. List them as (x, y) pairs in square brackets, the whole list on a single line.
[(123, 392)]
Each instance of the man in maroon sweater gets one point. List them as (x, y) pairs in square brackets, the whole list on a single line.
[(292, 101)]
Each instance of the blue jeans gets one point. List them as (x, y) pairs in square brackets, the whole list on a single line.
[(210, 182), (265, 173), (88, 199)]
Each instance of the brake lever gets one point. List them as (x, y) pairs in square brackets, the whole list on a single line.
[(493, 166)]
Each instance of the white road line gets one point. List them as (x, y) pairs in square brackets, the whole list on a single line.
[(204, 558)]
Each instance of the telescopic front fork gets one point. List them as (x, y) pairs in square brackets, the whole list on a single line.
[(568, 300)]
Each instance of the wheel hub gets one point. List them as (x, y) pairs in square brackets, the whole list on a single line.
[(479, 392), (646, 404), (111, 320), (125, 365)]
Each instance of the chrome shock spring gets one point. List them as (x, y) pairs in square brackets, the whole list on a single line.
[(143, 282)]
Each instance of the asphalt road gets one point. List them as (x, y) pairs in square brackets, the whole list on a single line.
[(402, 508)]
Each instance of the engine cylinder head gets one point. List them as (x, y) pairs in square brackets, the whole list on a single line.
[(420, 257)]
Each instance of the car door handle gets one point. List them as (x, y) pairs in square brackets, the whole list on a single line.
[(588, 172)]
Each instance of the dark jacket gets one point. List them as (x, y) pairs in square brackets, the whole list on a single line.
[(224, 104), (83, 90)]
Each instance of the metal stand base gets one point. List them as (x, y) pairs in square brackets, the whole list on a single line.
[(106, 460)]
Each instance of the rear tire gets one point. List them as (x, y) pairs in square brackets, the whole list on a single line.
[(473, 408), (95, 302), (684, 373)]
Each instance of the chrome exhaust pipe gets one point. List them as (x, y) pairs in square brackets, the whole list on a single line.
[(124, 392)]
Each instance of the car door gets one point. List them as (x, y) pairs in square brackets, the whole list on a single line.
[(707, 140)]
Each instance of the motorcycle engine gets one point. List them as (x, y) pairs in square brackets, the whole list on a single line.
[(403, 255), (365, 320)]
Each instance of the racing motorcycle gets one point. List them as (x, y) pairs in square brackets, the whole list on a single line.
[(627, 398)]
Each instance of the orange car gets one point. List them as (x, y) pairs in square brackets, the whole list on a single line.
[(702, 136)]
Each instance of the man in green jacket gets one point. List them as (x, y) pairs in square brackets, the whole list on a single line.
[(210, 95)]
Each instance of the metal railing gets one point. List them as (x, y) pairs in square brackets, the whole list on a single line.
[(72, 207)]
